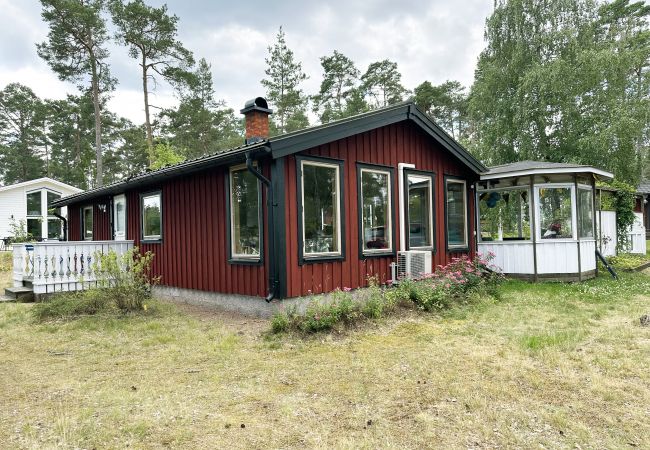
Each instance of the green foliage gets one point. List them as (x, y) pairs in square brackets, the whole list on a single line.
[(564, 81), (283, 88), (338, 95), (124, 286), (18, 231), (629, 261), (624, 199), (447, 105), (382, 84), (164, 155)]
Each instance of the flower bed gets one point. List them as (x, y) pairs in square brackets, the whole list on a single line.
[(454, 283)]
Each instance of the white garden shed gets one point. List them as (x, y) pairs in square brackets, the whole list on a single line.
[(538, 220)]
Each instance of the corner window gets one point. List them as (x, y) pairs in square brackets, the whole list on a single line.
[(87, 223), (419, 189), (456, 213), (375, 208), (585, 213), (51, 197), (34, 204), (245, 215), (555, 213), (504, 215), (320, 194), (152, 217), (54, 229)]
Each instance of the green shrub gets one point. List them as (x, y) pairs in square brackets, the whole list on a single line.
[(124, 285)]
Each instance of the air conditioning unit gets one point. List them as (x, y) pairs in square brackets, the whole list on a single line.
[(413, 264)]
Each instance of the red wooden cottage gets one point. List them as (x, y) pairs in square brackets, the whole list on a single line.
[(305, 212)]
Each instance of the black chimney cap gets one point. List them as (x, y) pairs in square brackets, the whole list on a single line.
[(256, 104)]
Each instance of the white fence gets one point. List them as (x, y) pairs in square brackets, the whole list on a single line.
[(608, 235), (636, 236), (62, 266)]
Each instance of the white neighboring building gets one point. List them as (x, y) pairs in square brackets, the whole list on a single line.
[(29, 201)]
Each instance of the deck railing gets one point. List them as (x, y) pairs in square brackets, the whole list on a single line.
[(62, 266)]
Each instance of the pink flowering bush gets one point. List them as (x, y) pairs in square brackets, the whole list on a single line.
[(451, 283)]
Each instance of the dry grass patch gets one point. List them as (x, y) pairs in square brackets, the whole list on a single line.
[(550, 365)]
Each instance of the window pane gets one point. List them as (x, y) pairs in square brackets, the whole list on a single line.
[(375, 206), (151, 216), (555, 213), (585, 213), (456, 215), (419, 194), (34, 204), (54, 229), (34, 228), (51, 196), (244, 202), (88, 223), (120, 216), (321, 222), (504, 215)]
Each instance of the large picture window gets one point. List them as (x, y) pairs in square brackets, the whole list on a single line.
[(375, 197), (419, 190), (320, 191), (585, 213), (34, 202), (505, 215), (87, 223), (245, 235), (456, 213), (555, 213), (152, 217)]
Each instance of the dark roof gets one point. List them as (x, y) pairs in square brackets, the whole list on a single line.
[(644, 187), (294, 142), (525, 166)]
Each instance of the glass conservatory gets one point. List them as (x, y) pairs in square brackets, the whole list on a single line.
[(538, 219)]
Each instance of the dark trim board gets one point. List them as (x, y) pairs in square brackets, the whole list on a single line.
[(280, 226), (464, 249), (392, 182), (162, 222), (302, 259), (407, 224)]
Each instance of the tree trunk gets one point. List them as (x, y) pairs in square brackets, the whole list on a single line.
[(98, 122), (147, 120)]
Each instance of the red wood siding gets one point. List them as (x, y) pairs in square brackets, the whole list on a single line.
[(101, 223), (74, 223), (389, 146)]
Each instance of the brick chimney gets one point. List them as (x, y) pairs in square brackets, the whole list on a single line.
[(257, 113)]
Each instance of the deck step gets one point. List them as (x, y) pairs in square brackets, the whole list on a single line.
[(21, 293), (5, 299)]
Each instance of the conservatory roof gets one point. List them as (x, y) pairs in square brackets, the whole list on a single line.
[(524, 168)]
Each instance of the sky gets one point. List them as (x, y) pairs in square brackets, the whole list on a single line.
[(435, 40)]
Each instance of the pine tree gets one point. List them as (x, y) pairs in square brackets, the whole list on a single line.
[(151, 36), (282, 87), (75, 50), (446, 104), (382, 84), (339, 85)]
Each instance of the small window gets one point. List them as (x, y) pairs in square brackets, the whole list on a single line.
[(87, 223), (245, 215), (505, 215), (54, 229), (34, 204), (321, 209), (419, 189), (585, 213), (456, 210), (51, 197), (152, 217), (555, 213), (119, 217), (376, 210)]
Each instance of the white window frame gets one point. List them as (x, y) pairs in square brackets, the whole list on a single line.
[(465, 244), (243, 256), (506, 189), (389, 232), (586, 187), (83, 223), (337, 168), (538, 214), (429, 177), (153, 237), (122, 235)]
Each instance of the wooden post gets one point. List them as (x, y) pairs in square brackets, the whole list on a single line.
[(533, 225), (593, 198), (577, 230)]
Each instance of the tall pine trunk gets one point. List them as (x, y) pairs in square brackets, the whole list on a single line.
[(98, 122), (147, 120)]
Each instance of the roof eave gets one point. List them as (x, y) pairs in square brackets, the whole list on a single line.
[(602, 174)]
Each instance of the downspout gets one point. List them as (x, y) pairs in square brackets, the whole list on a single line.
[(65, 225), (271, 222)]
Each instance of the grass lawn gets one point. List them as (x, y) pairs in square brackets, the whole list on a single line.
[(560, 366)]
